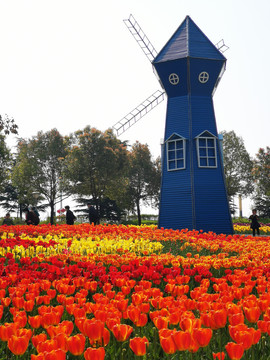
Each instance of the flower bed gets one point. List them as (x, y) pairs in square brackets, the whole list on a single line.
[(115, 292)]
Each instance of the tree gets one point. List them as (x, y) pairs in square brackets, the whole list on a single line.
[(108, 209), (37, 174), (261, 172), (237, 166), (95, 164), (8, 125), (5, 163), (143, 178)]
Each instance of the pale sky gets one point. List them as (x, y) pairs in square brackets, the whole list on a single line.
[(67, 64)]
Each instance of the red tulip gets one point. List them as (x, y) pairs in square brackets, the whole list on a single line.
[(219, 356), (235, 351), (94, 354), (38, 339), (122, 332), (34, 321), (202, 336), (18, 344), (252, 314), (76, 344), (182, 340), (168, 345), (7, 330), (138, 345)]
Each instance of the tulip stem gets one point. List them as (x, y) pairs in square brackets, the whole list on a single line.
[(219, 340), (252, 353)]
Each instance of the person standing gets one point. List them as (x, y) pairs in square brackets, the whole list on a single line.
[(7, 220), (93, 214), (30, 217), (255, 225), (70, 217)]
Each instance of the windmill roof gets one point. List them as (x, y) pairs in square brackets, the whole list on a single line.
[(188, 40)]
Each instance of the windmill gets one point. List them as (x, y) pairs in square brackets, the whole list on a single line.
[(189, 68)]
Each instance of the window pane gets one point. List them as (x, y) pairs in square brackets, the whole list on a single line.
[(210, 142), (212, 161), (180, 164), (171, 145), (202, 152), (202, 142), (171, 155), (179, 144), (171, 165), (211, 152), (179, 154), (203, 161)]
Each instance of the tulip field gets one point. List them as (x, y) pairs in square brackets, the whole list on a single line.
[(132, 292)]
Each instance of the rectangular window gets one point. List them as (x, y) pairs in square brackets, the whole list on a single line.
[(206, 150), (176, 154)]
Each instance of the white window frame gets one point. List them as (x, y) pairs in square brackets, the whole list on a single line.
[(206, 136), (174, 139)]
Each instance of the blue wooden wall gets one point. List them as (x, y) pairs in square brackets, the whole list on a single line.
[(193, 197)]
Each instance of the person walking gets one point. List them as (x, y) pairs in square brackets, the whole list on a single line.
[(255, 225), (70, 217), (93, 214)]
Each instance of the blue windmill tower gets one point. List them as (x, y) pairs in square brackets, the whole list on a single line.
[(189, 68)]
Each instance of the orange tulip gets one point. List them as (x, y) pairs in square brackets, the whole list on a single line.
[(7, 330), (219, 319), (38, 339), (122, 332), (6, 301), (55, 355), (168, 345), (256, 335), (40, 356), (161, 322), (65, 327), (182, 340), (61, 341), (245, 338), (29, 305), (112, 321), (138, 345), (18, 344), (103, 341), (51, 318), (18, 302), (20, 319), (252, 314), (93, 329), (47, 345), (236, 319), (219, 356), (94, 354), (234, 329), (24, 332), (234, 351), (76, 344), (142, 320), (52, 355), (34, 321), (263, 325), (202, 336)]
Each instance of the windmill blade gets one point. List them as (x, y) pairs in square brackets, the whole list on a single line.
[(221, 46), (136, 114), (141, 38)]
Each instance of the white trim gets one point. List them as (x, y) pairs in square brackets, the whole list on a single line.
[(175, 159), (207, 148), (208, 132)]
